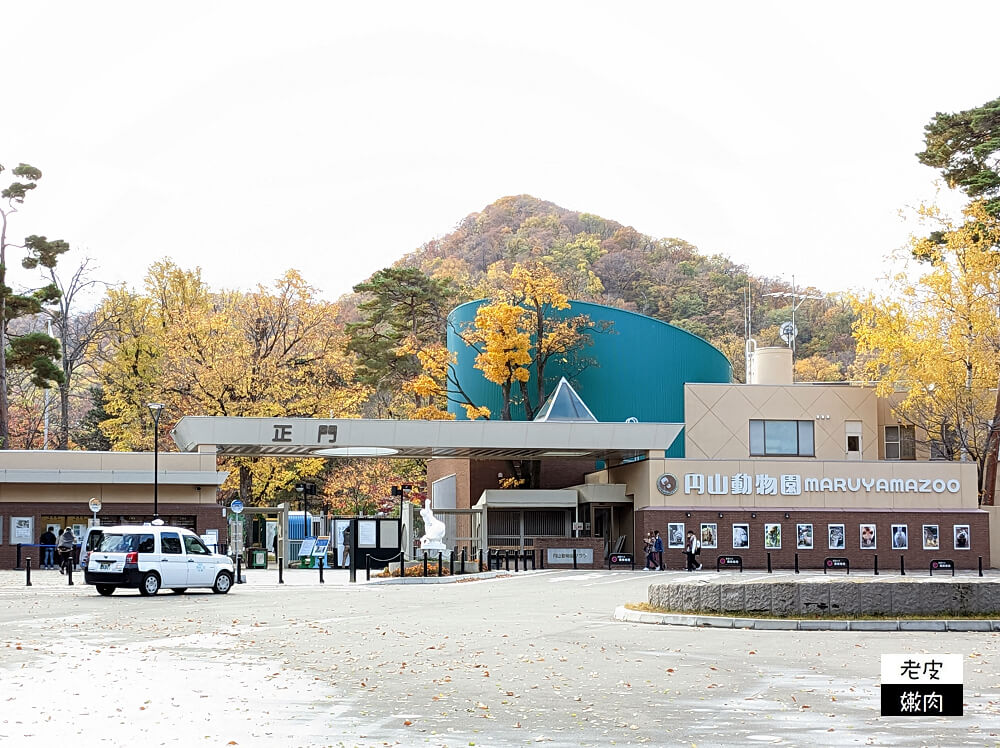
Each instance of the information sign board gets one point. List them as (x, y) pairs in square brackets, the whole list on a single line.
[(322, 543), (306, 549)]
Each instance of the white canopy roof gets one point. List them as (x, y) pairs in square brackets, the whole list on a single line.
[(341, 437)]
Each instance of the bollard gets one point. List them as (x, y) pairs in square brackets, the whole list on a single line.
[(517, 557), (541, 558), (320, 564), (902, 568), (368, 568), (281, 570), (768, 562), (451, 562), (27, 571), (506, 560), (402, 564), (574, 558), (69, 571), (463, 562), (876, 564), (440, 562), (980, 566), (425, 563), (239, 570), (796, 563)]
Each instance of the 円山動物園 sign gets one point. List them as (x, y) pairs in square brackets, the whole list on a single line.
[(762, 484)]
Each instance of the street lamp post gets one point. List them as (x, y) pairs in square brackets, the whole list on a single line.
[(155, 409)]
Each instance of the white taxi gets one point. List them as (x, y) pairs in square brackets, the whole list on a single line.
[(149, 557)]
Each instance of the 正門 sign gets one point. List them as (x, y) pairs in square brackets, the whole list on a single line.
[(921, 685)]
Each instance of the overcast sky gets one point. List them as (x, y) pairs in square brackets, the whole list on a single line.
[(247, 138)]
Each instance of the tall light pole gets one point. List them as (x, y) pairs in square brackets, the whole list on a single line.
[(155, 409), (797, 299)]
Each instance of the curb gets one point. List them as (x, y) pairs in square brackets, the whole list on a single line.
[(442, 580), (797, 624)]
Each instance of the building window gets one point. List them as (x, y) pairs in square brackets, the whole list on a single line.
[(900, 443), (782, 438)]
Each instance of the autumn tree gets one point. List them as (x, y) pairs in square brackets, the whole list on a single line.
[(34, 351), (77, 331), (363, 486), (965, 148), (404, 311), (936, 336), (275, 351)]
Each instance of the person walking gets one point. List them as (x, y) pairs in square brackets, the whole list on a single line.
[(65, 548), (658, 550), (691, 549), (647, 548), (347, 547), (47, 543)]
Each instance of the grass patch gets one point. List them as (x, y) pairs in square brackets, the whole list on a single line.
[(647, 608)]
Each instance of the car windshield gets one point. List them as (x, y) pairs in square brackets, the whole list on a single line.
[(117, 542)]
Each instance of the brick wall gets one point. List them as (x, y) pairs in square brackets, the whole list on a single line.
[(596, 545), (915, 557)]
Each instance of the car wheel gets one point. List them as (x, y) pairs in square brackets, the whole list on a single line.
[(106, 589), (223, 583), (178, 590), (149, 585)]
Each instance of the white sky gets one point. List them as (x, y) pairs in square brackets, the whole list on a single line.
[(247, 137)]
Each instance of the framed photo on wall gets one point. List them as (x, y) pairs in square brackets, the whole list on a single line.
[(741, 536), (675, 535), (900, 537), (867, 537), (22, 530), (709, 535), (836, 538), (931, 538), (804, 537), (772, 536), (963, 539)]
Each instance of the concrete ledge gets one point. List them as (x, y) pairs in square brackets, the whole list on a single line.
[(788, 596), (796, 624)]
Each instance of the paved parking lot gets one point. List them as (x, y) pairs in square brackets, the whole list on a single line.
[(531, 659)]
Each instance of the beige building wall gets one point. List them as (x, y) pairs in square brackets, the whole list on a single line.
[(717, 417), (113, 477), (956, 486)]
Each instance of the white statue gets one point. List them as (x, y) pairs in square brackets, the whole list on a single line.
[(434, 528)]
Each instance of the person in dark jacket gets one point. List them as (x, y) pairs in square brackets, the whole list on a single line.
[(65, 548), (48, 550)]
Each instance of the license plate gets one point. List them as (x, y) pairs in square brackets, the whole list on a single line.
[(106, 565)]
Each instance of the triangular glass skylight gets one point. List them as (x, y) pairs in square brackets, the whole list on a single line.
[(565, 405)]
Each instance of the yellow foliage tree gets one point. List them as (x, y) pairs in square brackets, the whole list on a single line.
[(817, 368), (276, 351), (504, 347), (936, 337)]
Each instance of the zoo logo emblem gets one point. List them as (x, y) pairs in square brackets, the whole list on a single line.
[(667, 484)]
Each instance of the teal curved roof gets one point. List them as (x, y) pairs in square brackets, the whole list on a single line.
[(638, 369)]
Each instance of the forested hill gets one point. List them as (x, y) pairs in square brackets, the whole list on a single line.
[(603, 261)]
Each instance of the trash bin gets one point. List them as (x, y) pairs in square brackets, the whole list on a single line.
[(258, 558)]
